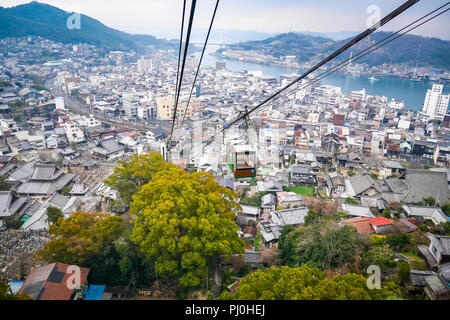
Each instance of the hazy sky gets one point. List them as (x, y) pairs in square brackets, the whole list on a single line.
[(271, 16)]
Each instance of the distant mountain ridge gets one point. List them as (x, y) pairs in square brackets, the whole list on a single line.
[(434, 52), (49, 22)]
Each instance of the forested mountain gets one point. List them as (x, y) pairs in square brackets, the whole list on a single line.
[(433, 52), (49, 22)]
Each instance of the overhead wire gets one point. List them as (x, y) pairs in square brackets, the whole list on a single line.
[(181, 45), (186, 47), (200, 62), (348, 61)]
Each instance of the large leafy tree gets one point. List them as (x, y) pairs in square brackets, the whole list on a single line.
[(98, 241), (184, 221), (320, 246), (306, 283), (53, 214), (130, 176)]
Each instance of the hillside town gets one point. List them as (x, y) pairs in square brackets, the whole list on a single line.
[(70, 113)]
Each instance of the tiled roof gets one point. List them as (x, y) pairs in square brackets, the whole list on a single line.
[(380, 221), (362, 225), (49, 282)]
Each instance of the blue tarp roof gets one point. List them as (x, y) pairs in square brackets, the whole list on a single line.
[(95, 292)]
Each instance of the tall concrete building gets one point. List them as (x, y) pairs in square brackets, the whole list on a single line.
[(130, 104), (145, 65), (436, 104), (166, 107)]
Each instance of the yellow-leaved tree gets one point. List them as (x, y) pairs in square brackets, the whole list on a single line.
[(184, 222), (129, 177), (306, 283)]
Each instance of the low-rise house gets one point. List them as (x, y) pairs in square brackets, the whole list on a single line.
[(381, 225), (362, 225), (416, 185), (271, 228), (50, 282), (289, 199), (438, 252), (268, 202), (362, 185), (302, 175), (237, 261), (335, 183), (108, 149), (355, 210), (433, 214), (12, 206), (46, 179), (37, 213), (78, 189), (249, 213)]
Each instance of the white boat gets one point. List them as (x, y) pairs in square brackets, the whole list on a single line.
[(373, 79)]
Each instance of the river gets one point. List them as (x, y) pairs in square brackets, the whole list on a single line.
[(411, 92)]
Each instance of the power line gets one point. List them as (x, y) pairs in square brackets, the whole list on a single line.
[(348, 61), (361, 54), (181, 44), (200, 62), (186, 47), (346, 46)]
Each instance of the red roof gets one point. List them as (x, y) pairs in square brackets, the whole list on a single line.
[(380, 221), (50, 282), (362, 225)]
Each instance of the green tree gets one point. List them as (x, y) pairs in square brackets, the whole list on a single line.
[(351, 201), (306, 283), (129, 177), (183, 222), (3, 185), (86, 240), (322, 247), (53, 214), (382, 256), (445, 207), (403, 271), (311, 218), (65, 191), (74, 146), (6, 293), (430, 201)]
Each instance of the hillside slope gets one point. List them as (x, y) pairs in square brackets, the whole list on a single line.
[(433, 52), (49, 22)]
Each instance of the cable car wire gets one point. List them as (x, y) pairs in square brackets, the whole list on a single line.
[(186, 47), (200, 62), (346, 46), (180, 46), (358, 55), (348, 61)]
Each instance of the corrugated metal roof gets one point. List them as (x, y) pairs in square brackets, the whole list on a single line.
[(95, 292)]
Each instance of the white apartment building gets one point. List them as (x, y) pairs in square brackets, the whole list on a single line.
[(436, 104), (73, 132), (130, 105), (90, 122), (396, 104), (145, 65)]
